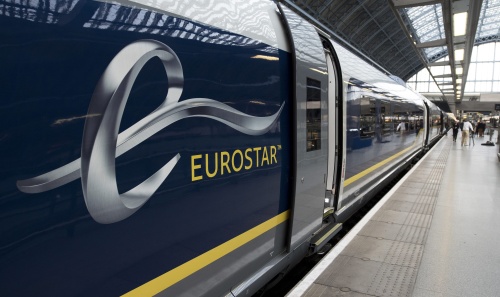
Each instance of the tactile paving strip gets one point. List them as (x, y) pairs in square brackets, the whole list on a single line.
[(397, 276), (383, 259)]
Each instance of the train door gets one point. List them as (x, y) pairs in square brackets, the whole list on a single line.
[(335, 129), (428, 123), (311, 130)]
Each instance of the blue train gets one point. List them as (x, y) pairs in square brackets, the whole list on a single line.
[(184, 148)]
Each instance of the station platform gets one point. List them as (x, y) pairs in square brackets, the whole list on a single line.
[(434, 234)]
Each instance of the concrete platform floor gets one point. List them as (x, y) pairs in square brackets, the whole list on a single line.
[(437, 233)]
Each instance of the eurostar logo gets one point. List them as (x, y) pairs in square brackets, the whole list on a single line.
[(102, 143)]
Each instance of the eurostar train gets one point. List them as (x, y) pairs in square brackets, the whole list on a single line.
[(184, 148)]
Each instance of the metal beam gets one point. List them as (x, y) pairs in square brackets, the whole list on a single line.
[(447, 23), (442, 63), (375, 34), (443, 76), (362, 27), (345, 21), (389, 38), (473, 20), (323, 8), (413, 3), (434, 43)]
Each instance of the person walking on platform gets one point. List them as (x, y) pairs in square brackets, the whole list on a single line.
[(481, 126), (401, 128), (466, 129), (455, 128)]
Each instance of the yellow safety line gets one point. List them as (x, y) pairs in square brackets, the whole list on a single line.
[(374, 167), (179, 273)]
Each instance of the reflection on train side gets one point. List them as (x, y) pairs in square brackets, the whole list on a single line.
[(378, 124)]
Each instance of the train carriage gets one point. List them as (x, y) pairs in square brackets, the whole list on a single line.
[(179, 148)]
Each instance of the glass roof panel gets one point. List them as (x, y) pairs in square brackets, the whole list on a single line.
[(489, 20), (427, 22)]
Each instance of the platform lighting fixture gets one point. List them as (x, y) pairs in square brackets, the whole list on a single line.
[(459, 23), (459, 54), (459, 80)]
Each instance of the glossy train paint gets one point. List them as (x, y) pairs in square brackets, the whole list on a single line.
[(114, 111), (183, 148)]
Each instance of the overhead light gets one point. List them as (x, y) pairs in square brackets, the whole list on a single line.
[(459, 23), (459, 70), (459, 80), (459, 54)]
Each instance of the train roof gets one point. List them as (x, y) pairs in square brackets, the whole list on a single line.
[(353, 66)]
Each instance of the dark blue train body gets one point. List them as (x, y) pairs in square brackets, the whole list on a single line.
[(161, 150)]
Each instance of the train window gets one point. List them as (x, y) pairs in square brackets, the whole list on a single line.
[(313, 110), (367, 117), (384, 118)]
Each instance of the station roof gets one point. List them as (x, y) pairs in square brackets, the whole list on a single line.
[(406, 36)]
